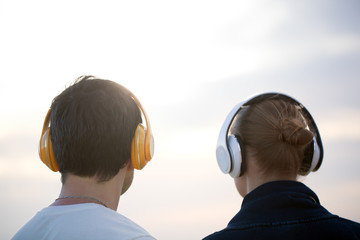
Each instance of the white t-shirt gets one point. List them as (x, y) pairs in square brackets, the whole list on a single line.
[(88, 221)]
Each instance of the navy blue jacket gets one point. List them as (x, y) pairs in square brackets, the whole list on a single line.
[(286, 210)]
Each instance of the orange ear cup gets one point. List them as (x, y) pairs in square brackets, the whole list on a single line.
[(138, 148), (46, 152), (142, 147)]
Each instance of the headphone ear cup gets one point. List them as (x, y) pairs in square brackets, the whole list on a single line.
[(138, 148), (311, 157), (308, 155), (315, 161), (236, 158), (52, 161), (46, 152)]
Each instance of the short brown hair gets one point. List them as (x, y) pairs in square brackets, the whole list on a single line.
[(276, 133), (92, 124)]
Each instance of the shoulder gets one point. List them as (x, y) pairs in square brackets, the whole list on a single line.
[(113, 224), (91, 221), (350, 225), (335, 228), (224, 234)]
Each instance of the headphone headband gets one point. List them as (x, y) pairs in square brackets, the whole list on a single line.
[(226, 148)]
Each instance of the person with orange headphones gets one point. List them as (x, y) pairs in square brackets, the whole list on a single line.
[(265, 144), (94, 137)]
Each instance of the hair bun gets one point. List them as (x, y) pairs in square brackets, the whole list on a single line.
[(294, 132)]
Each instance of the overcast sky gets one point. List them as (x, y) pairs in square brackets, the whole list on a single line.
[(189, 63)]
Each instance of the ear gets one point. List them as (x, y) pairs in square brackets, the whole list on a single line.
[(129, 165)]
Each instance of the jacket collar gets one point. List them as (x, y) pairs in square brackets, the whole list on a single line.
[(276, 202)]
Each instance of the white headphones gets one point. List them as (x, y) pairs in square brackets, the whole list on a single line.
[(228, 149)]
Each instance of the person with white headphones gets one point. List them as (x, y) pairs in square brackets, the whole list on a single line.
[(265, 144)]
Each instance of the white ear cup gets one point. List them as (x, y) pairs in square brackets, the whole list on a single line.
[(223, 159), (235, 152), (229, 160), (316, 156)]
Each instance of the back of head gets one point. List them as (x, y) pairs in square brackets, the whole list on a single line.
[(92, 125), (275, 133)]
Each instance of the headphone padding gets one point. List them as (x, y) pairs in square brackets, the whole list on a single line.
[(316, 157), (52, 164), (236, 159), (46, 152)]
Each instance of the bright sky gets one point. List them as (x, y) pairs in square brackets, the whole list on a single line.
[(189, 63)]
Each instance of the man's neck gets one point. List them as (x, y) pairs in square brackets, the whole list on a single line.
[(89, 190)]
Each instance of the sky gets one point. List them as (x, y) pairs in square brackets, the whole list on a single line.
[(189, 63)]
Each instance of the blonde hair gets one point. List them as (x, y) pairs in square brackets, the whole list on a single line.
[(276, 134)]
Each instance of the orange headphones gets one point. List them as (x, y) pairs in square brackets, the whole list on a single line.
[(142, 144)]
